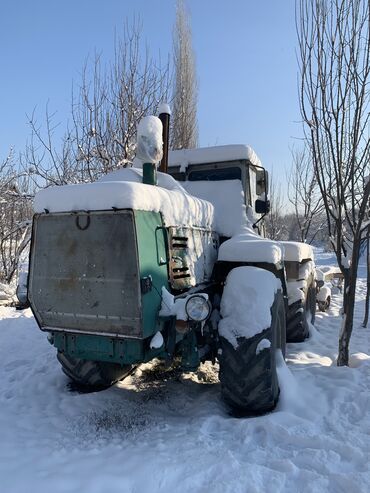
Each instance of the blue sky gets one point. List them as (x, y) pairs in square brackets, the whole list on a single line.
[(245, 53)]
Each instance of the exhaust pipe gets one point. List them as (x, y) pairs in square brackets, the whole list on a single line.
[(164, 116)]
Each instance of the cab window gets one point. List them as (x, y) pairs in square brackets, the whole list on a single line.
[(216, 174)]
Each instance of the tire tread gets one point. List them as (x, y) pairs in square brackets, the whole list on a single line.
[(249, 382), (92, 374)]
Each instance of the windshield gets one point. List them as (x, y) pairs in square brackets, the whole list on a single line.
[(216, 174)]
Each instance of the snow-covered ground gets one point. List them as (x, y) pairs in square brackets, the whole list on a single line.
[(163, 431)]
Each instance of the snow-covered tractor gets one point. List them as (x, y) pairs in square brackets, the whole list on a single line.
[(142, 265)]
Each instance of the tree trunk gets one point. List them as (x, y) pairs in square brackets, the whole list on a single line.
[(347, 322), (367, 300), (350, 280)]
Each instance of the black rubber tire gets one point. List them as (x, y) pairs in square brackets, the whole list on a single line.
[(249, 382), (95, 375), (300, 314), (311, 314), (324, 305)]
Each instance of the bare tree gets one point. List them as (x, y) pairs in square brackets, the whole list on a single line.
[(104, 116), (102, 135), (304, 195), (185, 97), (367, 298), (15, 216), (334, 50), (48, 160), (275, 223)]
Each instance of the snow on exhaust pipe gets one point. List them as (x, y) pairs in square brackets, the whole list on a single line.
[(149, 147)]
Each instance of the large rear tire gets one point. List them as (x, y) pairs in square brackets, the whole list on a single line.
[(300, 314), (249, 382), (94, 375)]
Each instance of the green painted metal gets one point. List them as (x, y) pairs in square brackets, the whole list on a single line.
[(99, 348), (149, 174), (152, 254)]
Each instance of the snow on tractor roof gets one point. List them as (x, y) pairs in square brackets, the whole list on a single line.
[(123, 190), (216, 154), (296, 252)]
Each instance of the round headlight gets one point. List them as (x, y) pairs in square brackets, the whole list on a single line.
[(197, 308)]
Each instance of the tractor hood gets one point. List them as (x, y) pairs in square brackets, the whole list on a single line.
[(123, 190)]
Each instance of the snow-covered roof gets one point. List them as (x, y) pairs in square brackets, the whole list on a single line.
[(296, 252), (123, 190), (216, 154)]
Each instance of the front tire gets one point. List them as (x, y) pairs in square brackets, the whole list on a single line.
[(249, 382), (94, 375), (300, 315)]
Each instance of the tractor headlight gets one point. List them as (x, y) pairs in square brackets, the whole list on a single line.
[(197, 308)]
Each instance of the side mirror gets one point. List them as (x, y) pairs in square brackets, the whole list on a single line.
[(262, 206)]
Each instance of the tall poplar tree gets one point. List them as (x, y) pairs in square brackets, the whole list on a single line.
[(185, 95)]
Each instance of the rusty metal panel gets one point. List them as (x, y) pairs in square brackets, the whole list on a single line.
[(84, 273), (292, 270)]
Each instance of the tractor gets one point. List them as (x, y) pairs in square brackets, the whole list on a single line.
[(170, 262)]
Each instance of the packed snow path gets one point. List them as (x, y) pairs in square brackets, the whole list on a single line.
[(162, 431)]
